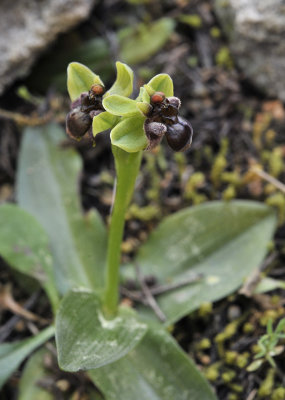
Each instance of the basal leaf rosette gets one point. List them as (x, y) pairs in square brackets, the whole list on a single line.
[(129, 133), (87, 92)]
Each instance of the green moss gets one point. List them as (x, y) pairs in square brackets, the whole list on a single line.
[(204, 344), (276, 162), (145, 214), (193, 20), (205, 309), (192, 61), (224, 59), (215, 32), (278, 200), (212, 373), (242, 360), (278, 394), (230, 357), (228, 376), (220, 164), (248, 327), (267, 385), (229, 193)]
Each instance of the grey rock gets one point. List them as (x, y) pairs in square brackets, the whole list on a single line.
[(256, 32), (27, 27)]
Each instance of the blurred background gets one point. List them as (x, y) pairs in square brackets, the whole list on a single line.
[(227, 61)]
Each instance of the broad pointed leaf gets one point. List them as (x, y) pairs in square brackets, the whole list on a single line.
[(123, 84), (223, 241), (33, 373), (25, 246), (157, 369), (129, 134), (121, 106), (103, 121), (80, 79), (86, 339), (139, 43), (47, 187), (267, 284), (12, 354)]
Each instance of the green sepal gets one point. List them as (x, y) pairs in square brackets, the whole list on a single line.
[(129, 134), (123, 84), (119, 105), (160, 83), (80, 79), (103, 121)]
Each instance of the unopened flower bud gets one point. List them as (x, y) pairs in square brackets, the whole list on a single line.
[(157, 97), (97, 89)]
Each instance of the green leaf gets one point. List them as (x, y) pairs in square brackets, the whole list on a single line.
[(223, 241), (161, 83), (121, 106), (86, 339), (267, 284), (144, 40), (25, 246), (157, 369), (129, 134), (12, 354), (34, 371), (80, 79), (103, 121), (47, 187), (123, 84)]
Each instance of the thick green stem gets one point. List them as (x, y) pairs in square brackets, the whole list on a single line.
[(127, 168)]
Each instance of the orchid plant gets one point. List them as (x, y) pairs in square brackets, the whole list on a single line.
[(127, 352)]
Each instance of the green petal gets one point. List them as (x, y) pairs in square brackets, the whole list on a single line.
[(129, 134), (160, 83), (123, 84), (80, 79), (102, 122), (144, 108), (119, 105)]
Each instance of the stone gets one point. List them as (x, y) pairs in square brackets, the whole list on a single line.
[(256, 31), (27, 27)]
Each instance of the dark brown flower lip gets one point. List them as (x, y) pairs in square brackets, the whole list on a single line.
[(163, 120), (83, 110)]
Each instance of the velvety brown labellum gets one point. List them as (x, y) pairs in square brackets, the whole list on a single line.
[(77, 123), (154, 132), (179, 135)]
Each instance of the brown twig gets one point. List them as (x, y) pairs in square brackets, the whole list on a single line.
[(252, 281), (7, 301), (6, 329), (149, 297), (25, 120), (268, 178)]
